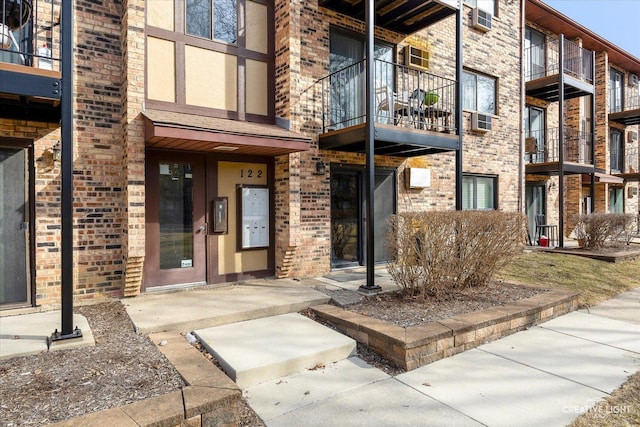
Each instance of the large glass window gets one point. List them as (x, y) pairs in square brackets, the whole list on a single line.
[(347, 50), (616, 200), (479, 192), (615, 91), (479, 93), (176, 215), (213, 19), (534, 134), (534, 61), (616, 151), (486, 5)]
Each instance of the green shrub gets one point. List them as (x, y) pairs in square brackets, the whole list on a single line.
[(434, 252), (605, 229)]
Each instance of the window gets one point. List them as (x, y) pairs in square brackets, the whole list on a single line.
[(616, 151), (486, 5), (213, 19), (478, 93), (616, 200), (534, 46), (534, 128), (615, 91), (479, 192)]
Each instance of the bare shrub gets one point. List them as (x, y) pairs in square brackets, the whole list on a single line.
[(599, 229), (434, 252)]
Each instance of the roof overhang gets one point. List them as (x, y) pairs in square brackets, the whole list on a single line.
[(401, 16), (602, 178), (554, 21), (188, 132)]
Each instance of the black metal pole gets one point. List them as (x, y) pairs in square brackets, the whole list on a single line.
[(369, 148), (561, 143), (459, 71), (592, 191), (66, 197)]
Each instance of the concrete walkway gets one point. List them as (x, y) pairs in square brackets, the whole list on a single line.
[(545, 376)]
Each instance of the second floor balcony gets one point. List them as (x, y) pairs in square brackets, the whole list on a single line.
[(30, 65), (542, 152), (546, 63), (625, 164), (414, 111), (625, 110)]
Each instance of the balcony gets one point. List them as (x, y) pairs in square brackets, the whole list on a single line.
[(30, 65), (625, 165), (414, 110), (627, 113), (545, 63), (542, 153), (404, 16)]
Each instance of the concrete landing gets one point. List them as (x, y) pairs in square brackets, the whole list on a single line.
[(26, 334), (202, 308), (259, 350)]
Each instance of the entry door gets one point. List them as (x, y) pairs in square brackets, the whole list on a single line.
[(348, 214), (175, 219), (13, 226), (535, 204)]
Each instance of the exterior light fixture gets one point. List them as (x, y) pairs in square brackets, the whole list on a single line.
[(56, 151), (321, 168)]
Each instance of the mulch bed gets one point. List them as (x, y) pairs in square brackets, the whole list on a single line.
[(405, 311)]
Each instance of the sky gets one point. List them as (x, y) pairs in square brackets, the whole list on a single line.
[(615, 20)]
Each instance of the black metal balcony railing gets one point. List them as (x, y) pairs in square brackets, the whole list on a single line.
[(631, 101), (624, 162), (544, 60), (404, 97), (30, 33), (543, 146)]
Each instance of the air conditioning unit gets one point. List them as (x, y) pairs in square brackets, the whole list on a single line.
[(480, 122), (481, 20), (633, 80), (632, 136)]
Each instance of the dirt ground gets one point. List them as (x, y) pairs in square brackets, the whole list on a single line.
[(125, 367)]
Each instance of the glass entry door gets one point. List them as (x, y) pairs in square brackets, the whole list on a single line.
[(348, 214), (175, 219), (14, 228), (535, 204)]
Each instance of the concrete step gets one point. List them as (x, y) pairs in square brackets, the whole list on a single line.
[(260, 350), (203, 308)]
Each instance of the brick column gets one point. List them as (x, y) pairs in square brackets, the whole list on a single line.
[(133, 47)]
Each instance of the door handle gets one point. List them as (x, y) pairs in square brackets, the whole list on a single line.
[(203, 229), (24, 226)]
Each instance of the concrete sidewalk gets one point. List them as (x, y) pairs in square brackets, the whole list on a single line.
[(546, 376)]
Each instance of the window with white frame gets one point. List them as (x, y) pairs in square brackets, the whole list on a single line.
[(212, 19), (486, 5), (478, 93), (479, 192)]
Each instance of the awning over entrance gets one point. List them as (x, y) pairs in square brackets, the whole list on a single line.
[(179, 131), (602, 178)]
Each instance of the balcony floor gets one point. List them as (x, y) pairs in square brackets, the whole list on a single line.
[(548, 88), (627, 117), (28, 93), (390, 140), (553, 168)]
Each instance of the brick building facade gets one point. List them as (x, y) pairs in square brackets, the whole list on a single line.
[(208, 153)]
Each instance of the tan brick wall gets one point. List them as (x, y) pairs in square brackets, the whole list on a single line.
[(303, 63)]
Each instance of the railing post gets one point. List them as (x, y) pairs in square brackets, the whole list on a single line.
[(561, 143)]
